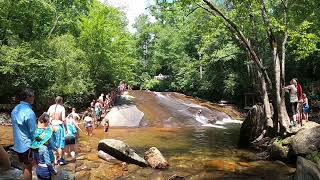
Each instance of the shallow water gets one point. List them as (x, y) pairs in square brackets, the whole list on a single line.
[(192, 149)]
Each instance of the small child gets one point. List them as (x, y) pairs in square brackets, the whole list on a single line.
[(306, 108), (42, 142), (106, 126)]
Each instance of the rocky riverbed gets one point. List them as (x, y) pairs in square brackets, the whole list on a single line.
[(192, 150)]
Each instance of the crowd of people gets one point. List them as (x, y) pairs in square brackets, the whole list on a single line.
[(299, 103), (46, 141)]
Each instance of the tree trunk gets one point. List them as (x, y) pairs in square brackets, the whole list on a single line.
[(265, 100), (277, 72)]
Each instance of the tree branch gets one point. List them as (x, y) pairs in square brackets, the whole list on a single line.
[(241, 36), (199, 5)]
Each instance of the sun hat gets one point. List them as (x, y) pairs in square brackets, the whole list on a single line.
[(41, 136)]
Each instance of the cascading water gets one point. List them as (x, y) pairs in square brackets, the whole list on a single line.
[(189, 112)]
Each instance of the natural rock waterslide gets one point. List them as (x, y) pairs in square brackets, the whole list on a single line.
[(125, 114), (193, 150)]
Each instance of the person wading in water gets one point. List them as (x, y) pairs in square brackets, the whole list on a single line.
[(57, 113)]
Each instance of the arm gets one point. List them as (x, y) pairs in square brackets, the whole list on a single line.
[(32, 120), (63, 114)]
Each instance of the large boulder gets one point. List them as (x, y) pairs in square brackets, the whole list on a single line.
[(306, 141), (155, 159), (124, 116), (307, 170), (121, 151)]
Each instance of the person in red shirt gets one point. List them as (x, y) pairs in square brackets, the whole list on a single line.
[(300, 101)]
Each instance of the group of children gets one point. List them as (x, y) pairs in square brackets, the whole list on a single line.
[(44, 143)]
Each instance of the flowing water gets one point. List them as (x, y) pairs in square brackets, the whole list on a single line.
[(194, 148)]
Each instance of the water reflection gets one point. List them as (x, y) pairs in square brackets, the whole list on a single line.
[(192, 150)]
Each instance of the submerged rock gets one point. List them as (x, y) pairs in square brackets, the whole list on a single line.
[(121, 151), (155, 159), (306, 141), (307, 170)]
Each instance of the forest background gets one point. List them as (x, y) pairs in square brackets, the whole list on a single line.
[(78, 49)]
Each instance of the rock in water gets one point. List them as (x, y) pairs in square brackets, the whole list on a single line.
[(306, 141), (306, 170), (121, 151), (105, 156), (155, 159)]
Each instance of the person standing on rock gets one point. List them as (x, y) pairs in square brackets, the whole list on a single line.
[(57, 113), (24, 125), (293, 99)]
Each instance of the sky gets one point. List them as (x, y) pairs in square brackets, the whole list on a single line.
[(132, 8)]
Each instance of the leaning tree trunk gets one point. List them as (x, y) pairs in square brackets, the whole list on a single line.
[(266, 103), (282, 112)]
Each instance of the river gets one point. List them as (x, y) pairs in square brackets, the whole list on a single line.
[(194, 148)]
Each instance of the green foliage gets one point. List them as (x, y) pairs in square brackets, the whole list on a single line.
[(75, 49), (151, 84)]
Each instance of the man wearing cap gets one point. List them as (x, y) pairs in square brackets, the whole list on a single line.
[(24, 125)]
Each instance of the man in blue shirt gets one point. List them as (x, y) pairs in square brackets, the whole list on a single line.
[(24, 125)]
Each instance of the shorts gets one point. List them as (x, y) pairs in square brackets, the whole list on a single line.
[(70, 140), (43, 173), (58, 136), (26, 157), (306, 109), (294, 107)]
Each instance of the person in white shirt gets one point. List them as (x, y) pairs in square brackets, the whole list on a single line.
[(57, 113), (292, 88)]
